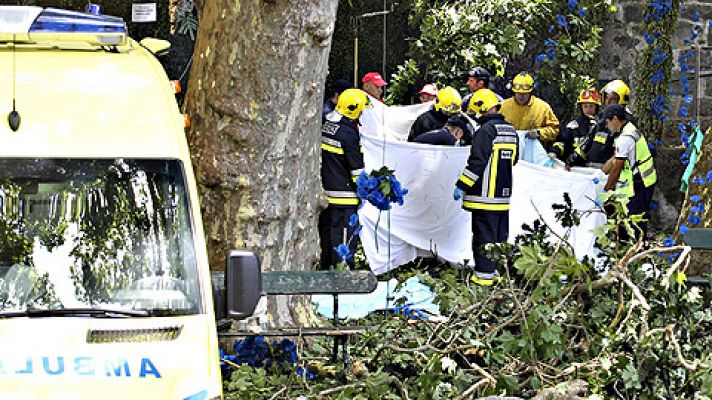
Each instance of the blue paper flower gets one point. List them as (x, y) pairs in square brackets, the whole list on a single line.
[(694, 18), (653, 205), (551, 28), (687, 99), (550, 43), (648, 38), (357, 231), (343, 251), (659, 57), (668, 242), (551, 53), (683, 112), (695, 198), (694, 219), (540, 59), (698, 180), (596, 180), (353, 220), (683, 229), (582, 12), (572, 4), (694, 209), (561, 20), (709, 176), (657, 77), (304, 372)]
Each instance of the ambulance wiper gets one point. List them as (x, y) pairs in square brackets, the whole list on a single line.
[(75, 312)]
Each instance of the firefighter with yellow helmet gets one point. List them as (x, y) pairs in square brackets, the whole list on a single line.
[(633, 173), (448, 103), (341, 164), (577, 130), (486, 182), (528, 112)]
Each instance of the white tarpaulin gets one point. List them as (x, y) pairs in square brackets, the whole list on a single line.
[(430, 220)]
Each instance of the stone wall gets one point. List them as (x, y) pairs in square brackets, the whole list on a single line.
[(622, 44)]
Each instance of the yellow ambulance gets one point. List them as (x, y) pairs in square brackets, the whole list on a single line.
[(104, 282)]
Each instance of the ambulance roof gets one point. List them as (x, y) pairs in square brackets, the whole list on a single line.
[(77, 98)]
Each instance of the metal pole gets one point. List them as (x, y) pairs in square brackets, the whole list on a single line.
[(698, 94), (383, 67)]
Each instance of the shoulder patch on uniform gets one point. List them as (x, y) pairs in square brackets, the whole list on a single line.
[(572, 125)]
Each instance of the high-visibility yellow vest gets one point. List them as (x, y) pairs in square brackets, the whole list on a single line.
[(643, 163)]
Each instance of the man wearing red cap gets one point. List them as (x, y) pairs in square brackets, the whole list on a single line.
[(373, 84), (428, 93)]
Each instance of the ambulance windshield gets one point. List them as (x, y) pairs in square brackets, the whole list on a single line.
[(96, 233)]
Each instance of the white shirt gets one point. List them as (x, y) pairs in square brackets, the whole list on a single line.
[(625, 146)]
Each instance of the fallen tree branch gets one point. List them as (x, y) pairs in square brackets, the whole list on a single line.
[(670, 335)]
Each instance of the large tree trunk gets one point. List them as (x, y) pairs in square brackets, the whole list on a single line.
[(255, 103)]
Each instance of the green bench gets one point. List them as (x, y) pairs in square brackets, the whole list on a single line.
[(699, 239), (300, 283)]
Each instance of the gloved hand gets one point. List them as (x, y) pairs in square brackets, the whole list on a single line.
[(457, 194), (533, 134)]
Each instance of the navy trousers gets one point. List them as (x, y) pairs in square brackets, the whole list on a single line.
[(334, 230), (487, 227)]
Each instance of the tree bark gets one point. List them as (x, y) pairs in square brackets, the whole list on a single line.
[(255, 96)]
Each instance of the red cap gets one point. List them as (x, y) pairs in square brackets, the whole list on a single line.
[(374, 77), (430, 89)]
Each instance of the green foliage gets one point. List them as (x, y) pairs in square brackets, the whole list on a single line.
[(456, 36), (553, 319), (663, 31)]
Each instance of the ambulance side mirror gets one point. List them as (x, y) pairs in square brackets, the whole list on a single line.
[(243, 283), (159, 47)]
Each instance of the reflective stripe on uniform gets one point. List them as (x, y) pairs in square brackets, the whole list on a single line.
[(486, 203), (355, 173), (342, 198), (488, 200), (332, 149), (497, 148), (342, 201), (600, 139), (485, 207), (468, 177)]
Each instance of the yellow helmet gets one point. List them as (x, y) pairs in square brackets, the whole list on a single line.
[(620, 88), (448, 101), (482, 101), (523, 83), (590, 96), (352, 102)]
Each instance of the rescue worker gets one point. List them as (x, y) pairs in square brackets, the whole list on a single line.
[(633, 172), (339, 86), (528, 113), (477, 78), (598, 148), (341, 164), (448, 103), (373, 84), (486, 181), (428, 93), (449, 135), (578, 129)]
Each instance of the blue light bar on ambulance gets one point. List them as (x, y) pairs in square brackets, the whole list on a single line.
[(34, 24), (52, 20)]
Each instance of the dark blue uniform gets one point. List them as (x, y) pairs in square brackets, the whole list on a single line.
[(341, 164), (487, 183), (441, 137)]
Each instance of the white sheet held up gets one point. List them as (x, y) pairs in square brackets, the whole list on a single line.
[(430, 221)]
